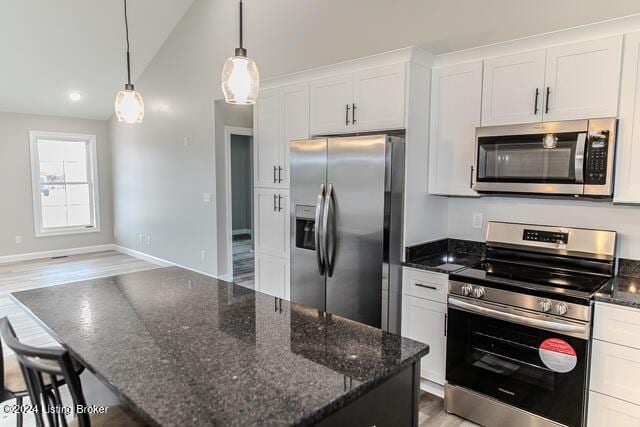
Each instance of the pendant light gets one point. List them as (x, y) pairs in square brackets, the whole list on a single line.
[(240, 79), (129, 105)]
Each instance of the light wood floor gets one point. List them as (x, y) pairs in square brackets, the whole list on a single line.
[(40, 273), (243, 261), (432, 414)]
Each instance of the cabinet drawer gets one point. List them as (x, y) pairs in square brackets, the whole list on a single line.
[(615, 371), (606, 411), (616, 324), (425, 284)]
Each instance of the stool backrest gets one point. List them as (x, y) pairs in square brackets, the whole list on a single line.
[(45, 370)]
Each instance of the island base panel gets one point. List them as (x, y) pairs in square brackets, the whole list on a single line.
[(393, 403)]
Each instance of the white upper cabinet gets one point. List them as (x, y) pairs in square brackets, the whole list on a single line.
[(282, 115), (627, 188), (568, 82), (267, 138), (331, 100), (379, 98), (512, 88), (368, 100), (583, 79), (455, 114)]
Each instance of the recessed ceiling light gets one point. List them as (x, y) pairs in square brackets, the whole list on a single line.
[(75, 96)]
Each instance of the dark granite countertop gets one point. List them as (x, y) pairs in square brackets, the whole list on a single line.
[(621, 290), (445, 255), (181, 348)]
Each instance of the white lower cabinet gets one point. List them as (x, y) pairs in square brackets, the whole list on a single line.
[(272, 221), (425, 321), (614, 398), (272, 275), (607, 411)]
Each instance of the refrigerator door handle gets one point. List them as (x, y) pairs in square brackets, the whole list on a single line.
[(318, 231), (329, 231)]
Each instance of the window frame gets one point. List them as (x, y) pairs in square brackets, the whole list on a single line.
[(92, 175)]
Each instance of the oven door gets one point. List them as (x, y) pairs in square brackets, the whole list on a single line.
[(541, 369), (531, 163)]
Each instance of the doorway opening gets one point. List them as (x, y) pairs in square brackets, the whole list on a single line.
[(240, 210)]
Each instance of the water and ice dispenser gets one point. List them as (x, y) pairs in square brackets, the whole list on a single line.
[(305, 227)]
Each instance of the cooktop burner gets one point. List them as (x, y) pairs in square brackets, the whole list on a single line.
[(569, 285)]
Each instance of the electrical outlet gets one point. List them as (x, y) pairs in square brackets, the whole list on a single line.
[(18, 240), (140, 238), (206, 197), (148, 240), (203, 254), (185, 141), (478, 220)]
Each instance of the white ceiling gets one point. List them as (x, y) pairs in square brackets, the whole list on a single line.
[(49, 48)]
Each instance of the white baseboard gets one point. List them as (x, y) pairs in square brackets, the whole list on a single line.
[(55, 253), (242, 231), (432, 388), (159, 261)]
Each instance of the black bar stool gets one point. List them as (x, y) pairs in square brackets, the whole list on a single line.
[(45, 370)]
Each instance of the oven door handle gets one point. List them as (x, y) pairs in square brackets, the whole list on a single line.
[(523, 320), (579, 159)]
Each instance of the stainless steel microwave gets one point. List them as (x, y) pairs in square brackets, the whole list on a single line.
[(570, 158)]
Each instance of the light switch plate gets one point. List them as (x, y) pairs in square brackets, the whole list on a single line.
[(18, 240), (206, 197)]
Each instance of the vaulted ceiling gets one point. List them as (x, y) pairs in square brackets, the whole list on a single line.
[(50, 48)]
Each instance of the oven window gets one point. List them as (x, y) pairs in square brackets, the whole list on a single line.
[(528, 158), (503, 361)]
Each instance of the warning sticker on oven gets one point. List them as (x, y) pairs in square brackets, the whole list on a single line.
[(558, 355)]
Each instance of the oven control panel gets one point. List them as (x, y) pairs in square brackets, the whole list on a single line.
[(545, 236)]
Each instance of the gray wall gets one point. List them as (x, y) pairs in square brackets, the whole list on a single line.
[(15, 175), (241, 183), (623, 219), (158, 182)]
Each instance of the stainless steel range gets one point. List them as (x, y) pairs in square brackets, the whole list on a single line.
[(519, 325)]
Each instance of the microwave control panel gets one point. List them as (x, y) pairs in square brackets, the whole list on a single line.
[(597, 158)]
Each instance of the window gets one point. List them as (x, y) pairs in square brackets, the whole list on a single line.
[(65, 186)]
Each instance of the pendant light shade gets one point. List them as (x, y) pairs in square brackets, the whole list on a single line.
[(129, 105), (240, 77)]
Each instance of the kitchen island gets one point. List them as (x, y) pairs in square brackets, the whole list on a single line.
[(181, 348)]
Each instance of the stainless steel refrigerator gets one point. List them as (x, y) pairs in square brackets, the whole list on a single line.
[(346, 226)]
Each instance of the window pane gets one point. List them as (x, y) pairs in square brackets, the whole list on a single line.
[(61, 161), (78, 194), (54, 216), (79, 215), (53, 195), (75, 161), (51, 171)]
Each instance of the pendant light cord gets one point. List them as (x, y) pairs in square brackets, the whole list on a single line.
[(240, 24), (126, 29)]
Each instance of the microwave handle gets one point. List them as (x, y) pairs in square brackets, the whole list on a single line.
[(580, 157)]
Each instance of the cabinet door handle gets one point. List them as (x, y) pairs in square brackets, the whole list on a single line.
[(535, 104), (420, 285), (279, 203), (471, 177), (445, 324), (546, 107), (275, 201), (275, 169), (279, 174), (346, 115), (353, 113)]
